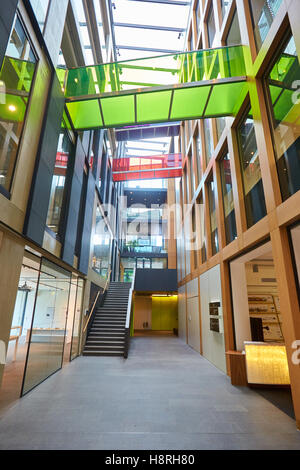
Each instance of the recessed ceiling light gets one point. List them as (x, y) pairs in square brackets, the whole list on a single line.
[(12, 108)]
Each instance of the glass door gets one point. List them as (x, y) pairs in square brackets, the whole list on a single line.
[(46, 342), (77, 320)]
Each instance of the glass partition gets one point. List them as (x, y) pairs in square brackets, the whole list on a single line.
[(65, 152), (77, 319), (263, 13), (16, 78), (213, 216), (228, 205), (46, 347), (282, 82), (101, 241), (251, 173)]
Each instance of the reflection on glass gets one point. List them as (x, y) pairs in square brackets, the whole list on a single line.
[(211, 26), (263, 13), (251, 173), (16, 75), (286, 124), (198, 149), (213, 216), (77, 317), (225, 4), (101, 243), (49, 325), (65, 152), (202, 236), (40, 8), (208, 140), (234, 35), (197, 14), (221, 124), (229, 213), (20, 330), (194, 246)]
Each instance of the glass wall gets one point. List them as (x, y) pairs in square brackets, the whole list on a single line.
[(228, 206), (46, 347), (234, 35), (202, 229), (221, 124), (198, 149), (263, 13), (285, 109), (16, 77), (295, 239), (77, 319), (211, 26), (251, 173), (65, 152), (208, 139), (225, 4), (101, 242), (213, 216)]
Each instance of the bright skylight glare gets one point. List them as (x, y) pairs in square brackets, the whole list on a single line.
[(133, 12)]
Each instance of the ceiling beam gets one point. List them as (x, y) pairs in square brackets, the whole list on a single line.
[(146, 26), (92, 26), (147, 49), (166, 2)]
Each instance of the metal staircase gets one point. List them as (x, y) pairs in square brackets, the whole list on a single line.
[(106, 336)]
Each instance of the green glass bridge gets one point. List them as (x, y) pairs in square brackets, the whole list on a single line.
[(193, 85), (176, 87)]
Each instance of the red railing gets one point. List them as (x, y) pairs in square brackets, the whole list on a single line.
[(158, 166)]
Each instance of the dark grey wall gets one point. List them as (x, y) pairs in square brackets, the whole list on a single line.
[(7, 13), (156, 280), (37, 208), (84, 246), (73, 205)]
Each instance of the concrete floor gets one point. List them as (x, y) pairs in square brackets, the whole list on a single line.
[(164, 396)]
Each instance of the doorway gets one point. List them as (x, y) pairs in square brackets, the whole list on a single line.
[(258, 318)]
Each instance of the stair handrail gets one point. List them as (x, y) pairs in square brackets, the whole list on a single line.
[(96, 299), (128, 316)]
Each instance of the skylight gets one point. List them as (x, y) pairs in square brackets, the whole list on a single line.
[(145, 28)]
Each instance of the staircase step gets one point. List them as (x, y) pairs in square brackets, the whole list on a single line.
[(103, 348), (102, 353), (107, 336), (104, 342)]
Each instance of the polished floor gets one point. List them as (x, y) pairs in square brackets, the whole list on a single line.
[(164, 396)]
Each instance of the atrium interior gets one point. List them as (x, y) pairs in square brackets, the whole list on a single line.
[(150, 225)]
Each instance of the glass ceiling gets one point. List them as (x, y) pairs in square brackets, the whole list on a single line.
[(143, 28)]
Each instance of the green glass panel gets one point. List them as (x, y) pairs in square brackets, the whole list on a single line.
[(284, 105), (189, 102), (13, 110), (153, 106), (85, 114), (17, 74), (223, 99), (274, 92), (282, 67), (166, 70), (61, 75), (118, 110)]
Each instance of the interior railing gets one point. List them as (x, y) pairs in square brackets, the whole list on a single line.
[(92, 309), (129, 317)]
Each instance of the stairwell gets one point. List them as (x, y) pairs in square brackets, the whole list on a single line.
[(106, 336)]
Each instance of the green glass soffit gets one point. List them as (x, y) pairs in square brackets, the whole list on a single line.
[(200, 84)]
